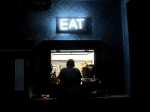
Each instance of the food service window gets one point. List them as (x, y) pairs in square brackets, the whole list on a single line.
[(81, 58)]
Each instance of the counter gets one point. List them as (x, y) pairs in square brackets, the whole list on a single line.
[(89, 86)]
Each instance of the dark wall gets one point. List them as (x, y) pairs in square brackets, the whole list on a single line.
[(7, 63), (138, 22), (26, 25), (105, 15)]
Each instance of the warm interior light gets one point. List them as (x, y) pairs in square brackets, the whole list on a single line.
[(79, 53), (61, 53)]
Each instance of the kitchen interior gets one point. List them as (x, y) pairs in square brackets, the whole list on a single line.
[(81, 58), (84, 61)]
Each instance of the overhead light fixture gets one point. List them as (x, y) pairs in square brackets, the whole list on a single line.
[(61, 53), (71, 52), (80, 53)]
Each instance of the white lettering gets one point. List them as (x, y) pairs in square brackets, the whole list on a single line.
[(71, 24), (80, 23), (63, 24)]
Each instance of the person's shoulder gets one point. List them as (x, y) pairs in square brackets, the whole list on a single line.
[(63, 68), (76, 68)]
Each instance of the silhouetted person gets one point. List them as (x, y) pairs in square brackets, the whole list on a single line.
[(70, 79), (47, 69), (44, 78)]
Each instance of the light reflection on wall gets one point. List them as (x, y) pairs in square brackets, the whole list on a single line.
[(106, 17), (69, 9)]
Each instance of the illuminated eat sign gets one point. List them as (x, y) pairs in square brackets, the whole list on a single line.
[(72, 25)]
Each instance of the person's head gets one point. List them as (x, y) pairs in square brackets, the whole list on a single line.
[(70, 62)]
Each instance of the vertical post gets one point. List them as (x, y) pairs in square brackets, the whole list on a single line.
[(19, 74)]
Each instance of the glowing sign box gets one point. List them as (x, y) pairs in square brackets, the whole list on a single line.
[(73, 25)]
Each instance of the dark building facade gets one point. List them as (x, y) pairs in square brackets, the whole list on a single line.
[(32, 34)]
